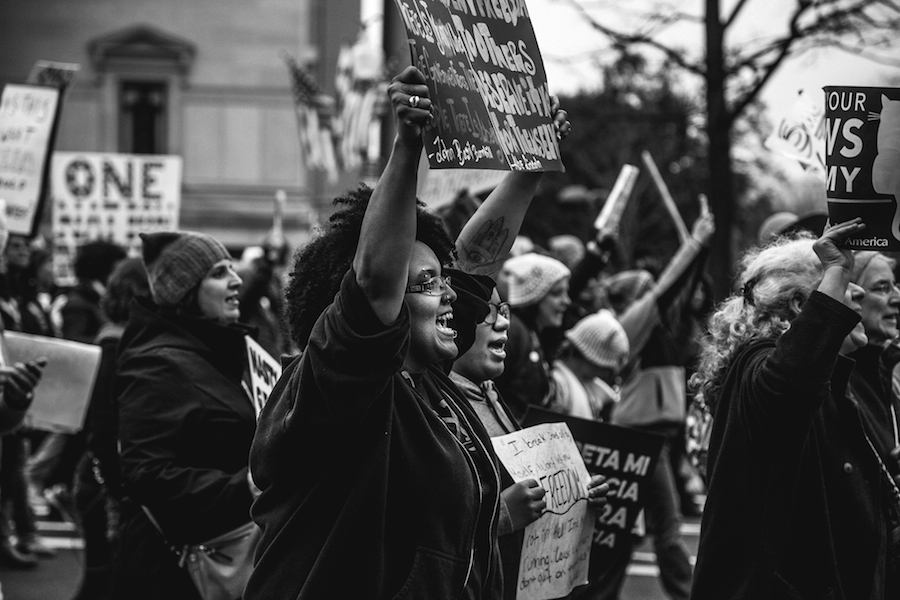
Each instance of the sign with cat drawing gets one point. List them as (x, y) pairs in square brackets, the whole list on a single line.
[(862, 160)]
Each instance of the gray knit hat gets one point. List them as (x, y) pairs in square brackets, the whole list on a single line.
[(530, 276), (601, 340), (177, 261)]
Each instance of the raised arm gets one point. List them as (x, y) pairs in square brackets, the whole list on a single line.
[(389, 226), (485, 240)]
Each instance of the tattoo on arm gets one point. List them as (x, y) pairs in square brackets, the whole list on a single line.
[(484, 252)]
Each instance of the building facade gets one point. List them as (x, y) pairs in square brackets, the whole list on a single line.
[(204, 80)]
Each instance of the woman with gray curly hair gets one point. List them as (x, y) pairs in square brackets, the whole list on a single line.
[(795, 508)]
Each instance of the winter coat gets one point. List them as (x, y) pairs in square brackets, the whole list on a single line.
[(795, 507), (366, 492), (185, 428)]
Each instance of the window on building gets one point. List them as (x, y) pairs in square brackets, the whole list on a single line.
[(143, 123)]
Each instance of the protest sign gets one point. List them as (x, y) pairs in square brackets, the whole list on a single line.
[(111, 197), (626, 457), (62, 395), (439, 188), (53, 73), (487, 84), (611, 214), (801, 134), (556, 548), (27, 117), (862, 160), (264, 374)]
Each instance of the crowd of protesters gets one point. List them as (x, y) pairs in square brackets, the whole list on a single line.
[(370, 472)]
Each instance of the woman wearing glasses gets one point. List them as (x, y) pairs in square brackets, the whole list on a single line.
[(478, 307), (377, 479)]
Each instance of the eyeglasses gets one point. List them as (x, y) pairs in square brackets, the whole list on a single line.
[(501, 309), (884, 288), (436, 286)]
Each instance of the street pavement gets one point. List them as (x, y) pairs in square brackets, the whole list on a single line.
[(57, 578)]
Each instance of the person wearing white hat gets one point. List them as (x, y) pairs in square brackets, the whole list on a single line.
[(538, 293), (586, 371)]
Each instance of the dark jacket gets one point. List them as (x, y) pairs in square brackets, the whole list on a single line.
[(871, 382), (526, 378), (795, 507), (185, 428), (366, 492)]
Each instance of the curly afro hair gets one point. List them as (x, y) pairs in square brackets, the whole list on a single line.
[(319, 266)]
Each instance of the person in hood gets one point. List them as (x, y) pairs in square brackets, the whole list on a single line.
[(185, 420)]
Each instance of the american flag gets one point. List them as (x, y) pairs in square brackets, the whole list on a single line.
[(314, 109)]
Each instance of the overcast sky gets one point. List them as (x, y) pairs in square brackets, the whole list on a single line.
[(567, 43)]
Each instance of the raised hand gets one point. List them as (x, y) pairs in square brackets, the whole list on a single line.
[(411, 104)]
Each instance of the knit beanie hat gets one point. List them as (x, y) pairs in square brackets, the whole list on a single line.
[(530, 276), (567, 248), (177, 261), (625, 287), (601, 340), (473, 292)]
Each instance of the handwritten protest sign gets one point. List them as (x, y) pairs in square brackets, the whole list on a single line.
[(62, 395), (264, 373), (556, 548), (27, 116), (487, 82), (626, 457), (110, 197), (862, 163)]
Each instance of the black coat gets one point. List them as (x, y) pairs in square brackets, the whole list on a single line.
[(185, 428), (795, 507)]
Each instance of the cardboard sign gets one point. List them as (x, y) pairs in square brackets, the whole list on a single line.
[(61, 397), (862, 161), (110, 197), (487, 83), (626, 457), (264, 374), (556, 549), (27, 117)]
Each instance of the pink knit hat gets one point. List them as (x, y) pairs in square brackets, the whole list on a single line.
[(530, 276)]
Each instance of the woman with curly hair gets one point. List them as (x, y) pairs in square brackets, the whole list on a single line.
[(795, 508), (377, 478)]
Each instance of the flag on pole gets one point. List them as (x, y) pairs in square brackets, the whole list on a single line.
[(313, 109)]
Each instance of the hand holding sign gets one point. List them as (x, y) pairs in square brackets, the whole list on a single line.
[(525, 502), (412, 107)]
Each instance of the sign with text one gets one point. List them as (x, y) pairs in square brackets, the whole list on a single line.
[(487, 83), (556, 548), (27, 116), (108, 196), (626, 457), (264, 374)]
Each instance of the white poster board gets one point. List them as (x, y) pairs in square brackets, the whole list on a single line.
[(557, 547), (62, 395), (112, 197), (264, 374), (27, 114)]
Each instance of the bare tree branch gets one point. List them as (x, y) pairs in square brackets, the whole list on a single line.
[(734, 13), (623, 39)]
